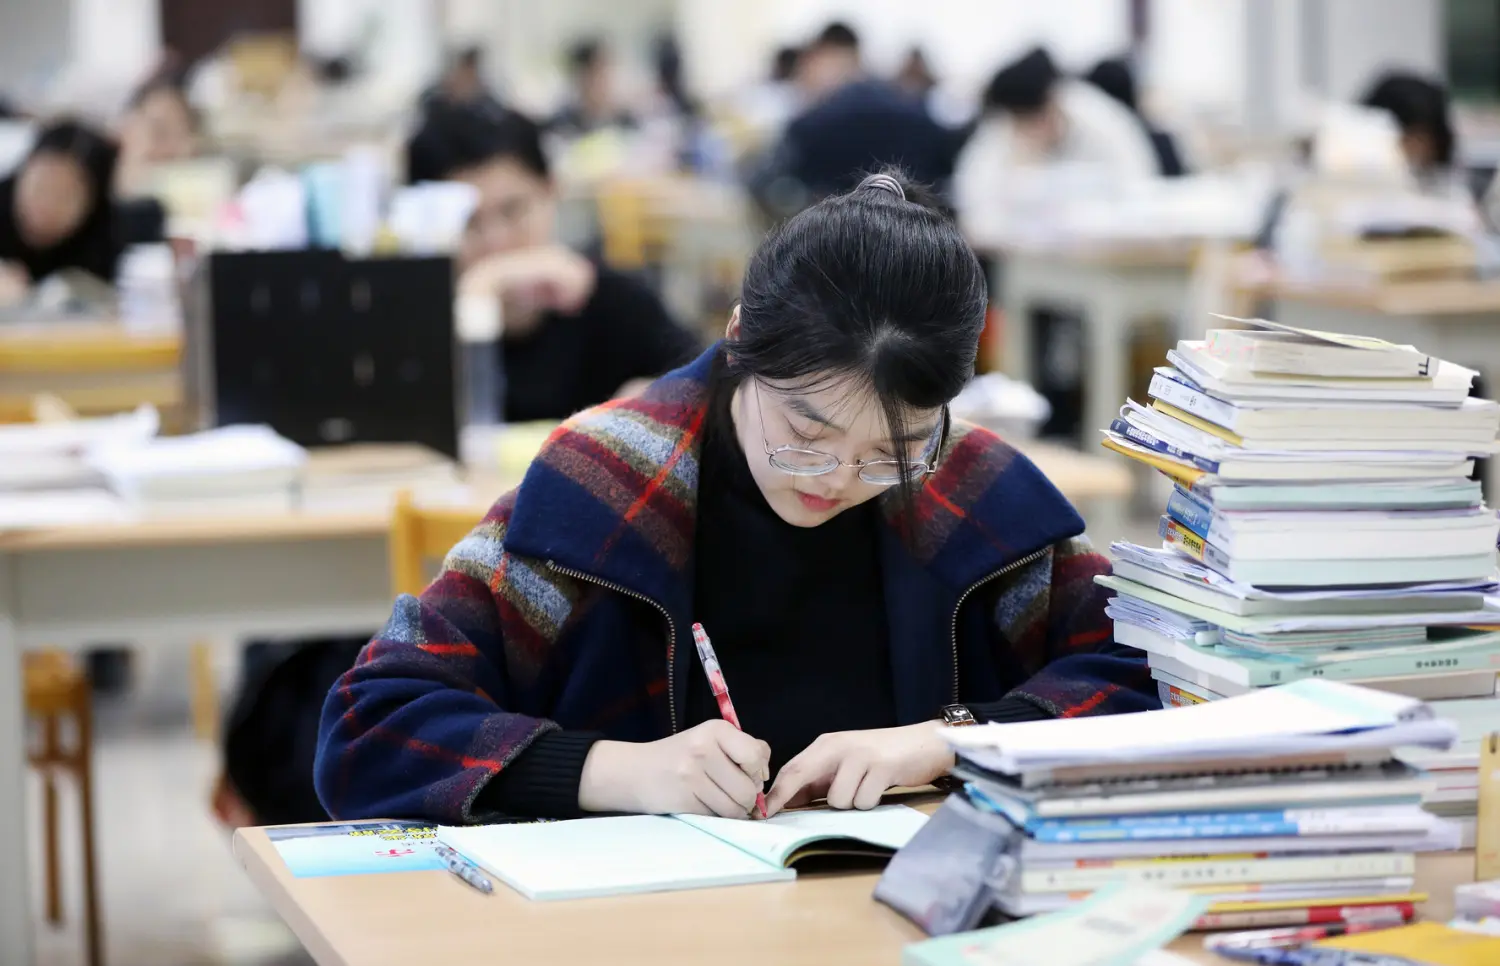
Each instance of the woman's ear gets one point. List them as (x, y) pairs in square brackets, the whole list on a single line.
[(732, 330)]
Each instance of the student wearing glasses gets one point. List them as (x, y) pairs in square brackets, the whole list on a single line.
[(867, 567)]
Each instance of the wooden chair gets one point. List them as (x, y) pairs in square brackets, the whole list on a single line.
[(418, 537), (56, 689)]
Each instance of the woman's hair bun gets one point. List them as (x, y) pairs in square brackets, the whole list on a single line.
[(883, 181)]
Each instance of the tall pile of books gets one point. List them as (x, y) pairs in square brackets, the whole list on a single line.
[(1324, 523), (1283, 806)]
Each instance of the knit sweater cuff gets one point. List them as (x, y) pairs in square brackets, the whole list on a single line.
[(1008, 710), (542, 782)]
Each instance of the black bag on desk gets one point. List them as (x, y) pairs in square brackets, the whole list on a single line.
[(271, 735), (945, 879)]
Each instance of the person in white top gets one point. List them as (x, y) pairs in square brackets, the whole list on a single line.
[(1035, 117)]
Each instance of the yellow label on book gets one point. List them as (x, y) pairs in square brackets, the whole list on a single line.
[(1178, 471), (1430, 943), (1273, 904), (1197, 422), (1187, 540), (1487, 837)]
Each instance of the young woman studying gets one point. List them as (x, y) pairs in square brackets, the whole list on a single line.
[(865, 565)]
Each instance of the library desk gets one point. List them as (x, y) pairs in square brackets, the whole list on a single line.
[(398, 918)]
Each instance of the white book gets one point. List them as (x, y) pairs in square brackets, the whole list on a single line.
[(1449, 386), (629, 854), (1215, 870), (1403, 538), (1243, 355)]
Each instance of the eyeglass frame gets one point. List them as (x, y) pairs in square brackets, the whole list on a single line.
[(929, 467)]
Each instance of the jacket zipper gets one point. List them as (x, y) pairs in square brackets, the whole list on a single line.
[(1013, 565), (671, 628)]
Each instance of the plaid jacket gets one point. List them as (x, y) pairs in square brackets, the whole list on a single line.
[(535, 621)]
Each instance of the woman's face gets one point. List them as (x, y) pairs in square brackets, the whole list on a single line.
[(517, 210), (53, 197), (159, 129), (841, 419)]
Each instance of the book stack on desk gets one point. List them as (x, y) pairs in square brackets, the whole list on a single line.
[(1323, 524), (1286, 805)]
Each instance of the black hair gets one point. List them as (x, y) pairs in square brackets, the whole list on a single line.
[(584, 55), (784, 64), (1023, 87), (454, 137), (91, 150), (1114, 77), (471, 56), (877, 286), (837, 34), (667, 58), (1417, 105)]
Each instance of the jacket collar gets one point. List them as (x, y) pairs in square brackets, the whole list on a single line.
[(613, 495)]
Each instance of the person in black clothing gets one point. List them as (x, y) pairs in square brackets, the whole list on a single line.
[(464, 84), (576, 332), (1114, 77), (855, 123), (1420, 109), (55, 211), (593, 105)]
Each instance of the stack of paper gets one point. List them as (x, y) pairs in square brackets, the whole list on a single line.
[(46, 476), (1279, 804), (235, 469), (1324, 523)]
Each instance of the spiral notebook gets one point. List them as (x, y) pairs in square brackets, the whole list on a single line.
[(592, 857)]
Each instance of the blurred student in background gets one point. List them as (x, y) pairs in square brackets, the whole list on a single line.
[(55, 210), (853, 123), (1422, 114), (593, 103), (767, 106), (1034, 117), (1114, 77), (915, 77), (158, 126), (576, 333), (464, 84)]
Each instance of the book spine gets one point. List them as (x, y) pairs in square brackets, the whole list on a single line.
[(1174, 697), (1308, 916), (1158, 445), (1181, 538), (1190, 511), (1228, 825), (1193, 401), (1252, 869)]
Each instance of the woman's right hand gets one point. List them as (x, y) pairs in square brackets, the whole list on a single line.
[(711, 769)]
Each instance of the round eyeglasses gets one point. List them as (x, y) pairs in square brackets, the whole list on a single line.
[(799, 461)]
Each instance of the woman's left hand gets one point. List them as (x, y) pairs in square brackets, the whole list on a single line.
[(853, 769)]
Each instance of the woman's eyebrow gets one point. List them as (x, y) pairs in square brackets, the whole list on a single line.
[(806, 410), (918, 435)]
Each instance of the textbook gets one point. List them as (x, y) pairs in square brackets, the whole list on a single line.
[(1290, 535), (1219, 870), (1429, 943), (582, 858), (1283, 349), (1302, 467), (1311, 822), (1234, 898), (1332, 572), (1448, 386), (1459, 651), (1194, 687), (1476, 419)]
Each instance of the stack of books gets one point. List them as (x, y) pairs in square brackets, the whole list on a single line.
[(1324, 523), (1283, 806)]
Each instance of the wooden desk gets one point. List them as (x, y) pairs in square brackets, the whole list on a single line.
[(414, 917), (96, 368)]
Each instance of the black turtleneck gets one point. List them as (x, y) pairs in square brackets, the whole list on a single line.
[(796, 614)]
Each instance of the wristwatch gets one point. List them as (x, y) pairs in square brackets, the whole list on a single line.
[(953, 716), (957, 716)]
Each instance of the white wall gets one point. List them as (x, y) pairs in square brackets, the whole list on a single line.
[(1366, 36), (34, 36), (729, 42)]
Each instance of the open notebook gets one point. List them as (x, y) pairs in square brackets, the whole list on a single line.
[(658, 853)]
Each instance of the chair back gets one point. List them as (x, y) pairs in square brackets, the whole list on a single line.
[(420, 536)]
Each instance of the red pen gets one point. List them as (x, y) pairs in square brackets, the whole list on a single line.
[(716, 683)]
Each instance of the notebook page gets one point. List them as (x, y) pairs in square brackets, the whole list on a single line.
[(775, 839), (607, 856)]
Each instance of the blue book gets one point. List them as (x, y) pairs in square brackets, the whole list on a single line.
[(1190, 508), (1156, 444), (1187, 519), (1378, 819)]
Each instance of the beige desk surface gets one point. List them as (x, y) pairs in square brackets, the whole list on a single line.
[(1432, 298), (1104, 254), (1078, 475), (401, 918)]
